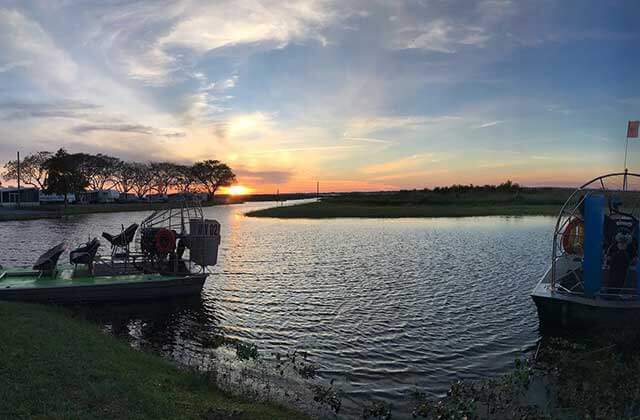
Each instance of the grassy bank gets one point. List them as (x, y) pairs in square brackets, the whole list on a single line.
[(55, 211), (328, 209), (57, 367)]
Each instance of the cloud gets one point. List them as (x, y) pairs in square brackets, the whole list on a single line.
[(158, 43), (360, 127), (368, 140), (263, 177), (119, 128), (490, 124), (24, 43), (441, 36), (399, 165), (16, 109), (126, 129), (228, 23)]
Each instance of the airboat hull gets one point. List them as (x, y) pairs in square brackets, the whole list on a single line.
[(557, 310), (95, 289)]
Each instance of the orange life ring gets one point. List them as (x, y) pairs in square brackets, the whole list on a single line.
[(573, 237), (165, 241)]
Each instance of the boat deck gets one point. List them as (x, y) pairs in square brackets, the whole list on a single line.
[(68, 277)]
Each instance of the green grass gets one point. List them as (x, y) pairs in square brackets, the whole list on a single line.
[(57, 367), (50, 211), (325, 210)]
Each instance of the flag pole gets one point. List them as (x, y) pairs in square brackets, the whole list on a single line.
[(626, 147), (624, 181)]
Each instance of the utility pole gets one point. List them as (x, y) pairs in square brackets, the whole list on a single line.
[(317, 190), (18, 197)]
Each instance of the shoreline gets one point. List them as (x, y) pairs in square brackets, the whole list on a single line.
[(59, 211), (58, 366), (330, 210)]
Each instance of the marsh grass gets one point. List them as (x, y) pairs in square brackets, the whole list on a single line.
[(328, 210), (456, 201)]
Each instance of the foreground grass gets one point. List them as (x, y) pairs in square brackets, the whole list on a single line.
[(57, 367), (325, 210)]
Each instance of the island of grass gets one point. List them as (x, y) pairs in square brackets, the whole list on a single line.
[(57, 367), (457, 201)]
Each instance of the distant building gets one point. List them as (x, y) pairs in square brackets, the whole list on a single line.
[(127, 197), (188, 196), (29, 197), (98, 196), (158, 198), (56, 198)]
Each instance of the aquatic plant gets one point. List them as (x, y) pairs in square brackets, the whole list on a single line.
[(598, 378), (377, 410), (246, 351)]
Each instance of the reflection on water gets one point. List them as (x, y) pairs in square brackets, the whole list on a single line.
[(382, 306)]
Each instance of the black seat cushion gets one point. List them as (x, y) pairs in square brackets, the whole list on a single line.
[(86, 253), (49, 260), (122, 239)]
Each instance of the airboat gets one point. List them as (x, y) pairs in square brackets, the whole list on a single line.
[(594, 277), (168, 254)]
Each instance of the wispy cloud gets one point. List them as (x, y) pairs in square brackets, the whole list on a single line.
[(399, 165), (360, 127), (490, 124), (16, 109), (260, 177), (25, 43), (368, 140), (126, 129), (441, 36)]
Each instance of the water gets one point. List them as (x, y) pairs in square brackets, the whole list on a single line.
[(382, 306)]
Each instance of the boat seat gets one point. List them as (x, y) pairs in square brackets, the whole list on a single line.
[(48, 261), (86, 253), (122, 239)]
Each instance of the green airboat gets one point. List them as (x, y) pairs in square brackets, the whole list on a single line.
[(168, 254)]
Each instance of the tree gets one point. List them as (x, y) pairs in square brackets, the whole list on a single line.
[(65, 174), (164, 174), (33, 170), (213, 174), (184, 178), (99, 170), (142, 178), (124, 176)]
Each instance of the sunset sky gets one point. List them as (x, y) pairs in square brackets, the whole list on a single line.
[(358, 94)]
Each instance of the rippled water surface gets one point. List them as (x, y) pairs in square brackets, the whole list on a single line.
[(382, 306)]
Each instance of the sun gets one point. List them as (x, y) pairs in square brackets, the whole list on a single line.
[(238, 190)]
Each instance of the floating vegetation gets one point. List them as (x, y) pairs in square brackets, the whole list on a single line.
[(246, 351), (327, 395), (298, 360), (377, 410), (238, 367), (595, 379)]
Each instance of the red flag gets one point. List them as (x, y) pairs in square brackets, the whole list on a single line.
[(632, 129)]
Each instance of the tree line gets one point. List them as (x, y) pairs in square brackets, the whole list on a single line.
[(508, 186), (65, 173)]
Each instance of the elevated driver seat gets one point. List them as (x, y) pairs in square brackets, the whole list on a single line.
[(85, 254), (123, 239)]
